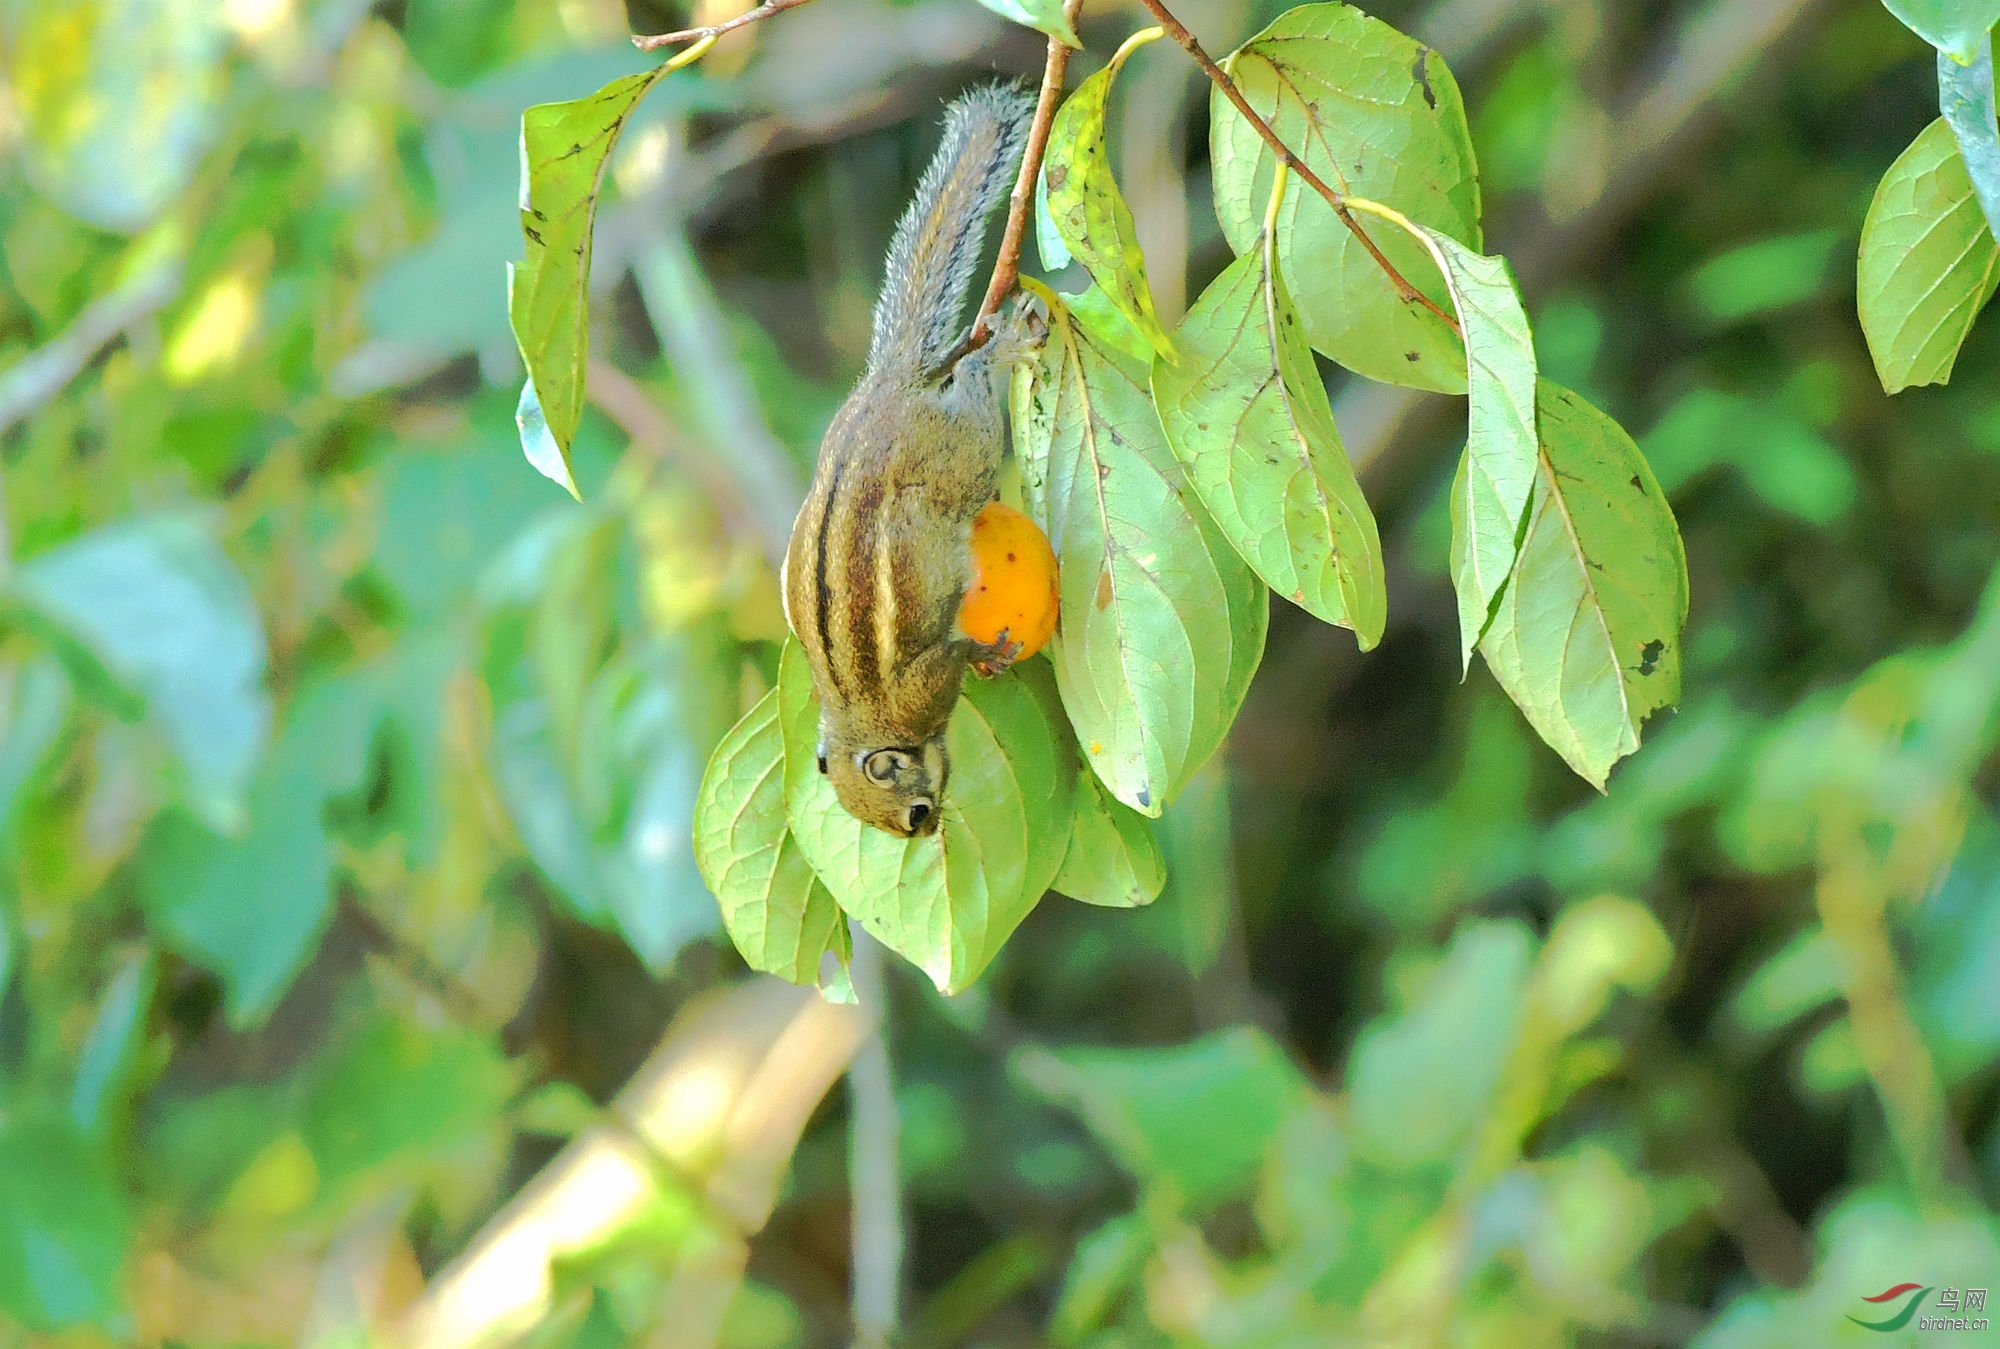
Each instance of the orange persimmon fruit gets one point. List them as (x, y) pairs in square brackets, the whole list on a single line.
[(1013, 588)]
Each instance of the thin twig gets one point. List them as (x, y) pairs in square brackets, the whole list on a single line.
[(47, 370), (1338, 201), (653, 42), (1007, 267)]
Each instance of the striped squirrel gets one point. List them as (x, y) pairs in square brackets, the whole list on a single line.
[(880, 552)]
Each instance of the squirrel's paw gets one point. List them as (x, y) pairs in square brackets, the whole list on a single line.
[(995, 657)]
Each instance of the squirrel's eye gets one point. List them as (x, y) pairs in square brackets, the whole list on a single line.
[(915, 815), (884, 764)]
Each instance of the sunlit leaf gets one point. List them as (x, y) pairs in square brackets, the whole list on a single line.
[(777, 912), (946, 902), (1953, 26), (1246, 412), (1088, 210), (564, 150), (1162, 623), (538, 443), (164, 619), (1491, 492), (1586, 637), (1927, 263), (1965, 97), (118, 100), (1375, 114), (1044, 16), (1113, 858)]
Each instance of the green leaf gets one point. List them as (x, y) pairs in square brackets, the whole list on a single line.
[(160, 614), (63, 1226), (564, 150), (1246, 412), (1491, 492), (1586, 637), (250, 909), (115, 1035), (1374, 114), (1089, 212), (777, 912), (1927, 263), (946, 902), (1952, 26), (1965, 97), (1044, 16), (1193, 1118), (401, 1096), (1162, 623), (1113, 858), (1418, 1082)]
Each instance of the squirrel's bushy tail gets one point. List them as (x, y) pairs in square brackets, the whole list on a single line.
[(919, 316)]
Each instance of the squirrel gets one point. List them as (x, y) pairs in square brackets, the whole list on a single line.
[(880, 555)]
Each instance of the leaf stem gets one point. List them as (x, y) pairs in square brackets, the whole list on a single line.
[(1337, 200), (1007, 267), (1277, 198), (704, 38)]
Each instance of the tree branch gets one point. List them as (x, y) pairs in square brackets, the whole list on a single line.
[(1007, 266), (1338, 201), (653, 42)]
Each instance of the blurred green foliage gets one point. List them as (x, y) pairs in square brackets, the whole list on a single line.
[(347, 766)]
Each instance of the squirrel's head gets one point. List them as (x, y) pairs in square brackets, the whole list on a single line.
[(897, 788)]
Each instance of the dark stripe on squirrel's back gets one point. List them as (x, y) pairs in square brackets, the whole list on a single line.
[(857, 581), (822, 592)]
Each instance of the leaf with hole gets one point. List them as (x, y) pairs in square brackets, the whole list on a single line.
[(1586, 637), (1928, 263), (1374, 114), (1246, 412), (1162, 624)]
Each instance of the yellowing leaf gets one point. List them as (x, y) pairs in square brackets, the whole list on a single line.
[(1586, 637), (1086, 208)]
